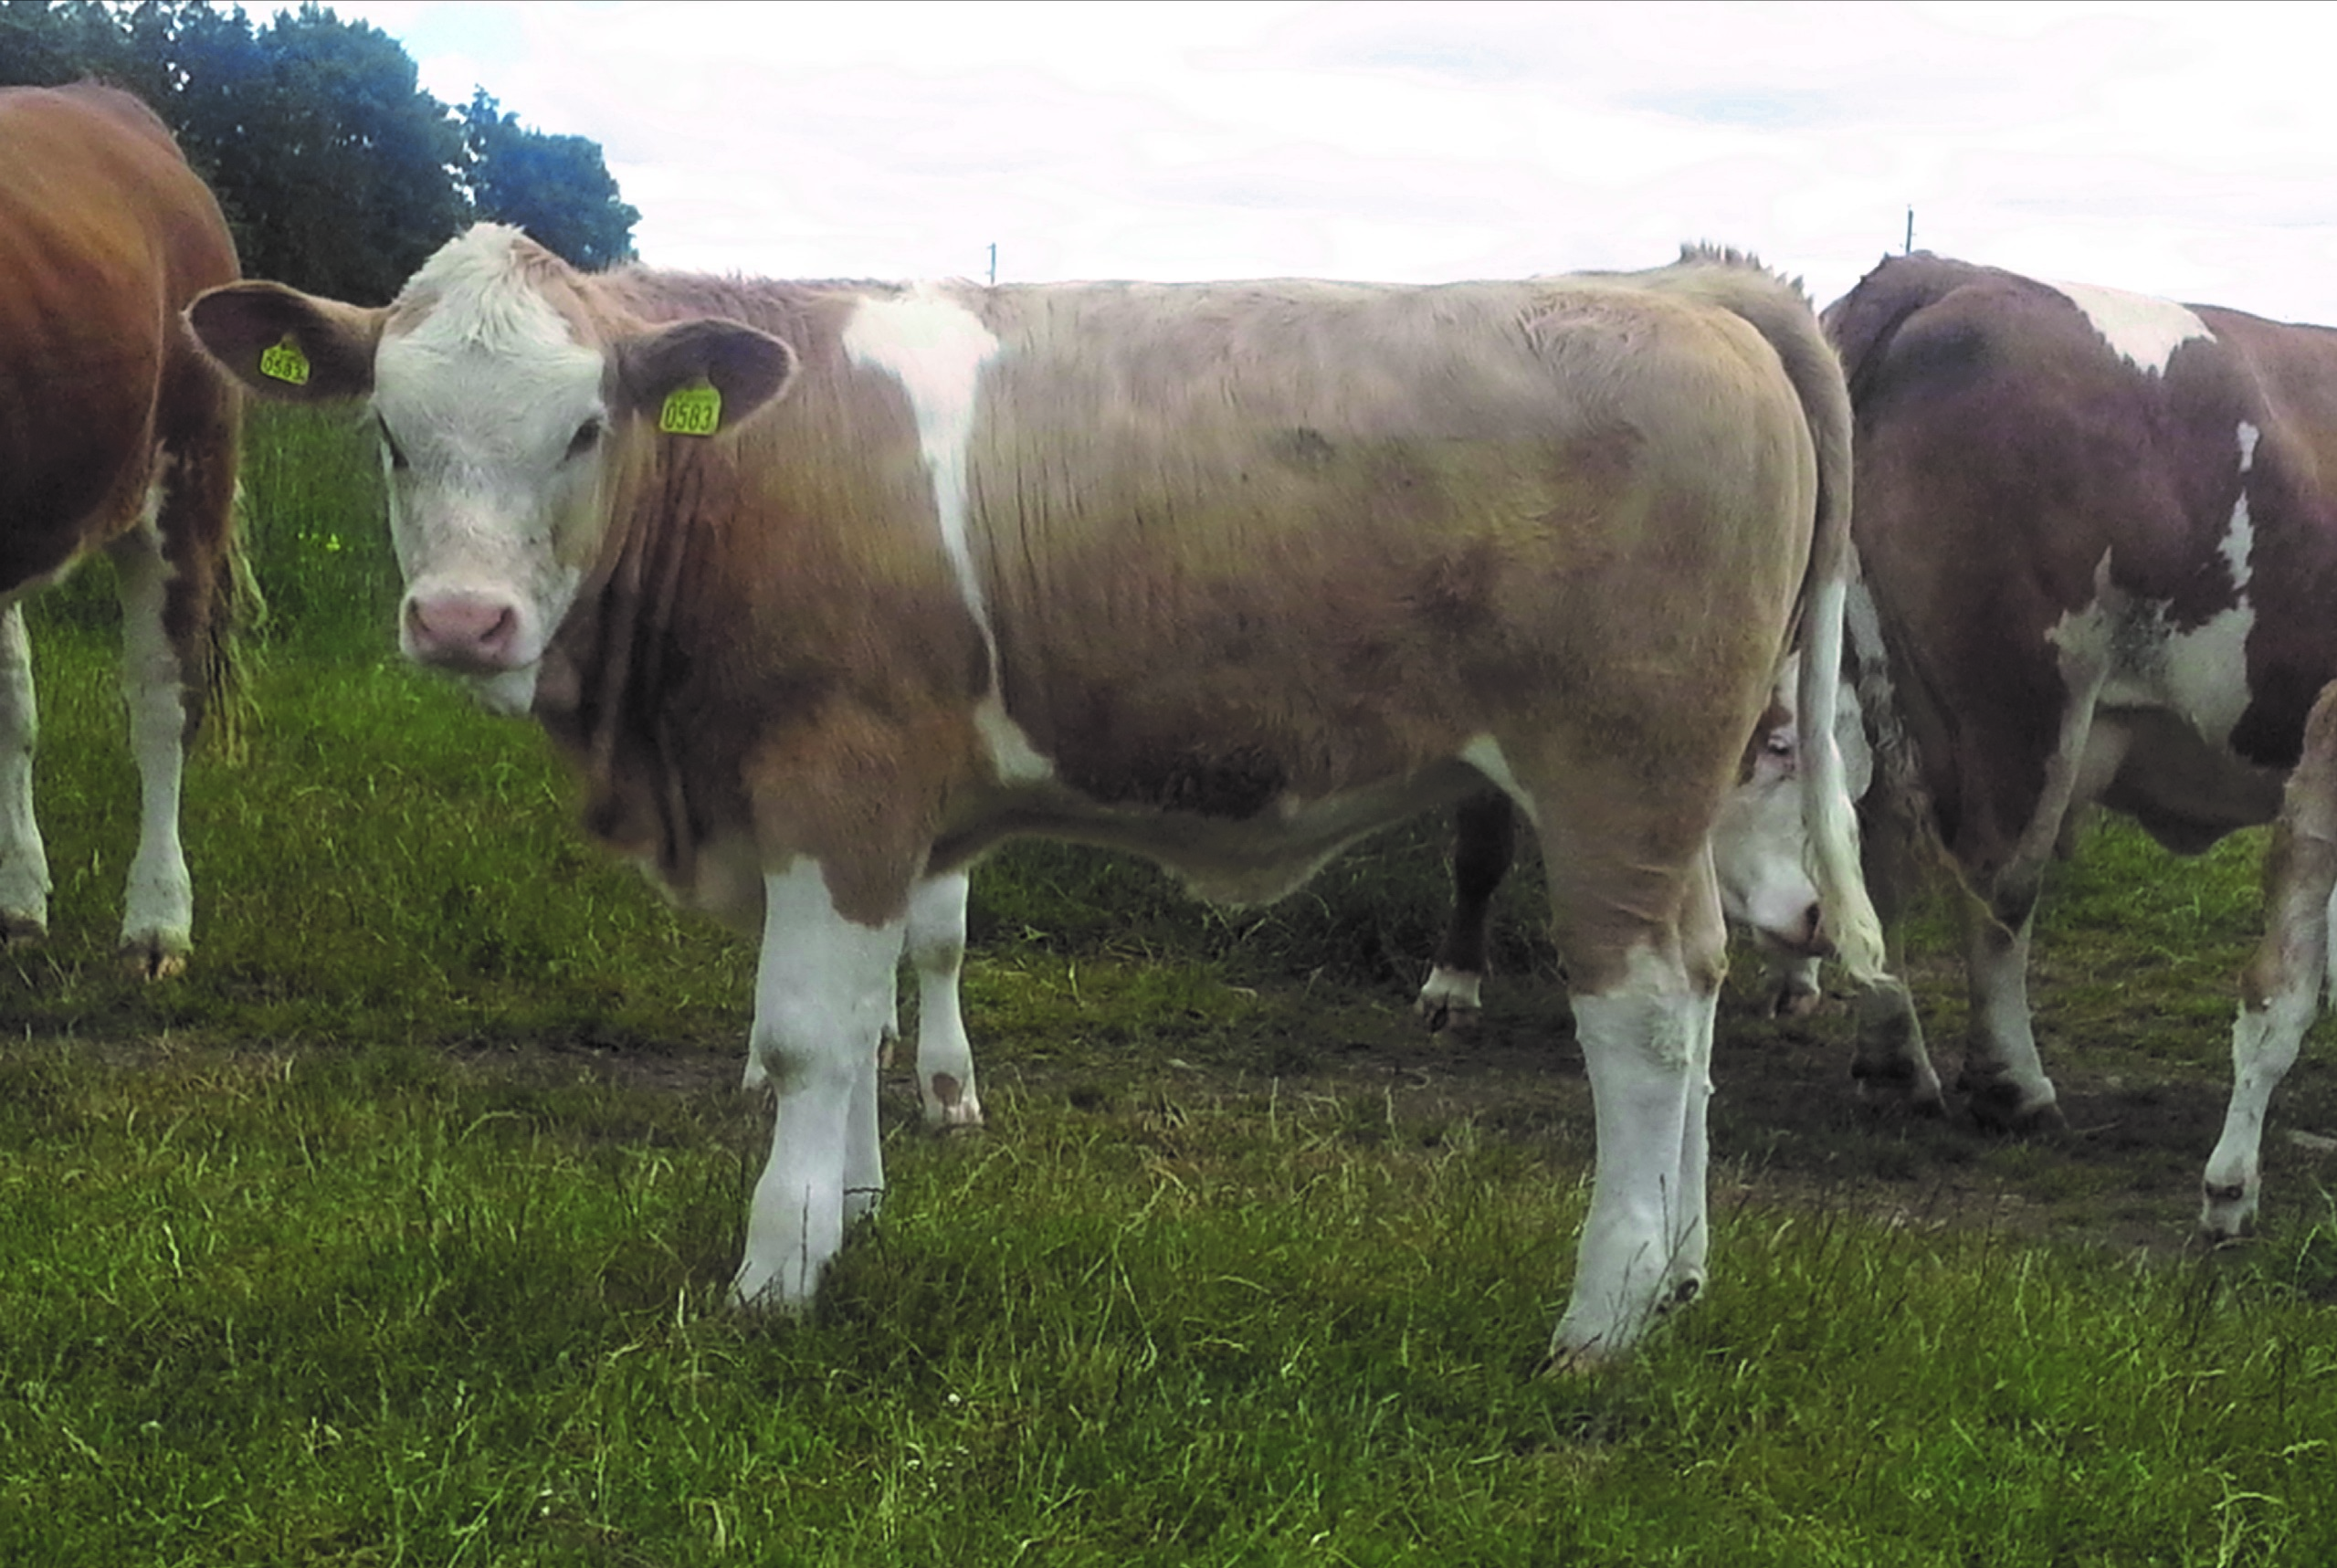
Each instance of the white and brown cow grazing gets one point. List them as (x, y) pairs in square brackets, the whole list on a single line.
[(2099, 536), (116, 432), (1227, 574)]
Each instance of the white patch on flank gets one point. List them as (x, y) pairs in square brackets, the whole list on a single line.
[(2248, 435), (2144, 331), (2200, 676), (936, 348), (2240, 543)]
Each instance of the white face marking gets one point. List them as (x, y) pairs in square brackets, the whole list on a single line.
[(487, 407), (2142, 331)]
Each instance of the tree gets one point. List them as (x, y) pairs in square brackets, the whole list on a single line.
[(555, 187), (337, 173)]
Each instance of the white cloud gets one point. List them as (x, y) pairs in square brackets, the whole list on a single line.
[(2178, 149)]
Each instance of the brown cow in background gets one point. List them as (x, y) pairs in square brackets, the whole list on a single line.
[(116, 433)]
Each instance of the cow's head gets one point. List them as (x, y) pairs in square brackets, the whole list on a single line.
[(1760, 842), (502, 389)]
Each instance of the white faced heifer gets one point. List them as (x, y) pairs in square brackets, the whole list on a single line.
[(1227, 574), (2096, 532), (117, 434)]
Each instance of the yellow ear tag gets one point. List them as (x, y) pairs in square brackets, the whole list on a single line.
[(691, 411), (285, 362)]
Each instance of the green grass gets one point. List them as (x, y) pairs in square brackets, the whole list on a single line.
[(396, 1232)]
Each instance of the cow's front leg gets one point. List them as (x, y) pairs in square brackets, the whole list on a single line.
[(24, 863), (2281, 988), (820, 996), (158, 905), (937, 952), (2003, 1077)]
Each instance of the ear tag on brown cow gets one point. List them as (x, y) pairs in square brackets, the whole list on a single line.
[(285, 362), (691, 411)]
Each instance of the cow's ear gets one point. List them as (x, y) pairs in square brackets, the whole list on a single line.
[(658, 371), (288, 345)]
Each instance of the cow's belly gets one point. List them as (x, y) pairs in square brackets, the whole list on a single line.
[(2180, 790), (1253, 859)]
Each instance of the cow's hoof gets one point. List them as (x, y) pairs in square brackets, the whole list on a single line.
[(1896, 1086), (2227, 1213), (1794, 1000), (952, 1106), (22, 927), (1997, 1106), (153, 961)]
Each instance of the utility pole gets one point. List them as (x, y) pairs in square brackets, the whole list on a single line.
[(1911, 230), (994, 253)]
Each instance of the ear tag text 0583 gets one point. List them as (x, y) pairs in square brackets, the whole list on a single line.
[(691, 411), (285, 362)]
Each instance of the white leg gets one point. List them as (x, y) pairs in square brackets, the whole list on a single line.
[(2002, 1074), (2280, 989), (158, 914), (819, 1005), (1647, 1044), (944, 1055), (24, 863)]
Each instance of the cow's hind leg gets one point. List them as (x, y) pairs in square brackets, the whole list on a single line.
[(158, 914), (1484, 842), (1635, 911), (1889, 1061), (2281, 987), (2003, 1077), (821, 992), (937, 954), (23, 862)]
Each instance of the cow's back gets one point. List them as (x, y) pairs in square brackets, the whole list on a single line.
[(105, 235), (1342, 526), (2043, 465)]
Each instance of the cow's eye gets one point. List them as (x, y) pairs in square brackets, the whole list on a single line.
[(390, 446), (1780, 744), (588, 437)]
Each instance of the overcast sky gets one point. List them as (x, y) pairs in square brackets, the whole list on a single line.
[(2175, 149)]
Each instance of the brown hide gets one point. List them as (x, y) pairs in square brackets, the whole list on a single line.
[(1237, 546), (2004, 450), (105, 235)]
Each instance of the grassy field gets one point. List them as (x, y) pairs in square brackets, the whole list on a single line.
[(395, 1233)]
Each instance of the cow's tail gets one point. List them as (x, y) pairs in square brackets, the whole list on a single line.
[(232, 641), (1778, 309)]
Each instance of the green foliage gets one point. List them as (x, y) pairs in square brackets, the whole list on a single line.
[(555, 187), (336, 172)]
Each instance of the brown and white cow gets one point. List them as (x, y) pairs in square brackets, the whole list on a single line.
[(1227, 574), (116, 432), (2098, 541)]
